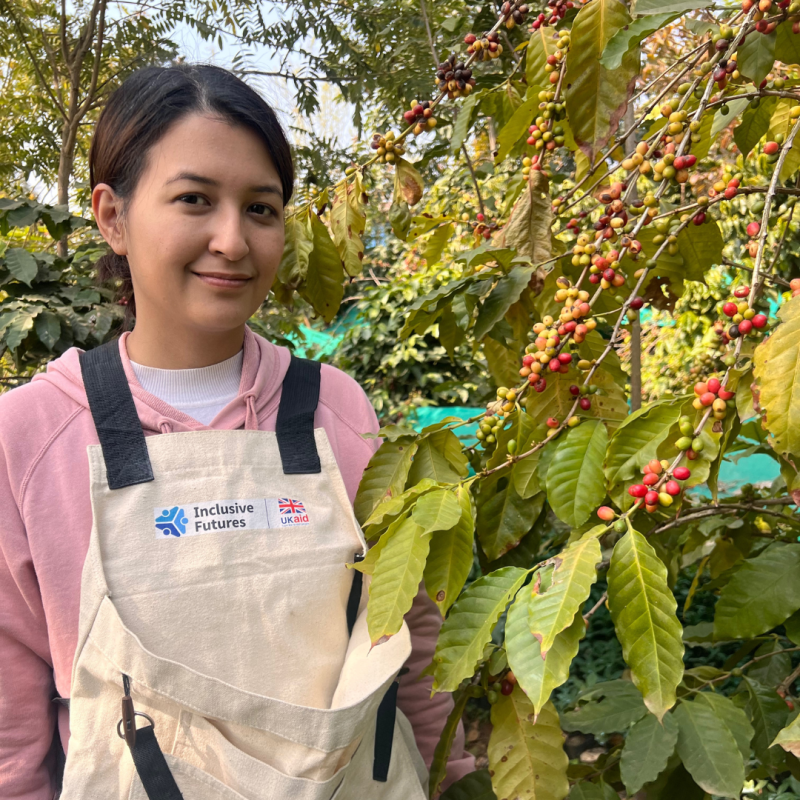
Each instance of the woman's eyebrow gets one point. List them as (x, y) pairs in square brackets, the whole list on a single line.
[(269, 188)]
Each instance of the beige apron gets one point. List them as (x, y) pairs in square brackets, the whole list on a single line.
[(215, 593)]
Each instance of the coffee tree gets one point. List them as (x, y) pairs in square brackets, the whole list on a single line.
[(629, 195)]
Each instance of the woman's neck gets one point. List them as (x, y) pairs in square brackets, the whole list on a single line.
[(153, 348)]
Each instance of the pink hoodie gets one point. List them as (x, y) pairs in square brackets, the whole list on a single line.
[(46, 518)]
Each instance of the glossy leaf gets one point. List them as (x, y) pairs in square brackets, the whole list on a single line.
[(391, 507), (323, 287), (634, 444), (756, 55), (21, 264), (505, 293), (701, 248), (574, 573), (437, 511), (708, 750), (576, 484), (648, 748), (777, 369), (628, 39), (407, 182), (469, 626), (441, 755), (526, 759), (440, 458), (395, 581), (643, 7), (536, 675), (789, 737), (515, 129), (348, 220), (473, 786), (734, 719), (450, 558), (528, 227), (768, 714), (596, 97), (503, 516), (762, 593), (643, 610), (605, 708), (542, 44), (385, 476), (754, 124)]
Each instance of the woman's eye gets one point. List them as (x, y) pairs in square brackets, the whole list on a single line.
[(193, 199), (262, 210)]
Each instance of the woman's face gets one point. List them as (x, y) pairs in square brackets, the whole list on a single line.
[(203, 231)]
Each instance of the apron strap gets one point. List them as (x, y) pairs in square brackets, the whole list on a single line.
[(295, 425), (384, 734), (152, 767), (354, 599), (114, 413)]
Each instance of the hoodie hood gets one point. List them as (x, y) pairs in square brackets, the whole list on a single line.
[(264, 366)]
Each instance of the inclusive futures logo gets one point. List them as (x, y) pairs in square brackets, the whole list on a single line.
[(172, 521)]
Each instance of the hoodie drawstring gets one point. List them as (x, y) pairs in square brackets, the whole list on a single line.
[(166, 426), (250, 419)]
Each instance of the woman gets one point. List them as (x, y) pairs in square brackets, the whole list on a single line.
[(182, 600)]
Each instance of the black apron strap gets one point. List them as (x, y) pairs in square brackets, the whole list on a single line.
[(384, 734), (295, 426), (152, 767), (115, 418), (354, 600)]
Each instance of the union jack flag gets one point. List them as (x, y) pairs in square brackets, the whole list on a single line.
[(287, 506)]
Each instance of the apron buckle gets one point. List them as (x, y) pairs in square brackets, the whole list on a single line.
[(126, 727)]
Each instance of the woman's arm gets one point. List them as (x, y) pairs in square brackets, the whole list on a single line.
[(27, 713)]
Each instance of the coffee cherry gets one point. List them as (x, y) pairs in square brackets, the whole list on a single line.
[(585, 403), (684, 443), (707, 398), (552, 422), (574, 390), (651, 498), (759, 321), (745, 326), (606, 514), (492, 697), (741, 291), (665, 499), (729, 309), (672, 487), (506, 687), (698, 445), (637, 303), (650, 479), (637, 490), (753, 228), (681, 473), (724, 394), (620, 526), (713, 385), (770, 148)]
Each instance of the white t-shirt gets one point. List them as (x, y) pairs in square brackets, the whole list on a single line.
[(200, 393)]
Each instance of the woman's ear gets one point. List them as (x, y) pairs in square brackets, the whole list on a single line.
[(107, 207)]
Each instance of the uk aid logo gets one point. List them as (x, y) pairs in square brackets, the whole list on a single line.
[(217, 516)]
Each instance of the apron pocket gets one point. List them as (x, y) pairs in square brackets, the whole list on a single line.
[(193, 783), (249, 768)]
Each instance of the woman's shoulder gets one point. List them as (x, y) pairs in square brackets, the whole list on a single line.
[(344, 395)]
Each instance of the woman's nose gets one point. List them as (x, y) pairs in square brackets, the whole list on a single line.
[(228, 237)]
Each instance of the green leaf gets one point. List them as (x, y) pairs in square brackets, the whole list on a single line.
[(708, 750), (469, 626), (437, 242), (17, 330), (323, 287), (735, 108), (437, 511), (777, 369), (596, 98), (756, 55), (643, 610), (296, 250), (592, 791), (762, 593), (576, 484), (701, 248), (787, 48), (400, 219), (768, 713), (439, 457), (392, 506), (48, 329), (542, 44), (515, 128), (536, 675), (368, 563), (450, 558), (730, 430), (526, 759), (466, 116), (644, 7), (407, 182), (503, 517), (473, 786), (528, 227), (635, 443), (754, 124), (648, 748), (21, 264), (505, 293), (734, 719), (385, 476), (395, 581), (348, 220), (609, 707), (552, 610), (441, 755), (629, 38)]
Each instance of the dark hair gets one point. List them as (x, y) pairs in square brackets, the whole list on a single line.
[(141, 111)]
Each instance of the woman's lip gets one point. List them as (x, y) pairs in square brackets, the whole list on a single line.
[(227, 282)]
